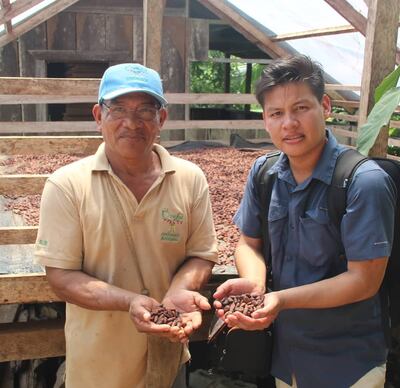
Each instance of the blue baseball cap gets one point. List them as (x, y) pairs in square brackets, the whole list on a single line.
[(129, 78)]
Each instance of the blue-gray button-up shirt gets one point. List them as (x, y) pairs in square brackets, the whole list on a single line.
[(330, 347)]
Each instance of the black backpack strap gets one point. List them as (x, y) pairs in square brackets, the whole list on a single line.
[(346, 164), (264, 183)]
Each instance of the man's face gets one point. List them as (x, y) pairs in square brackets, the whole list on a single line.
[(295, 119), (126, 135)]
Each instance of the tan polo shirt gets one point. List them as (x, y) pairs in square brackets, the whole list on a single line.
[(81, 228)]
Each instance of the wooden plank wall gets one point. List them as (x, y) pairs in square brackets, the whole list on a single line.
[(106, 32)]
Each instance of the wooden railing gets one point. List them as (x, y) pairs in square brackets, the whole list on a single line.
[(45, 338)]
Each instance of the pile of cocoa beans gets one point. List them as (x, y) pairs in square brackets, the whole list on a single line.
[(244, 303), (163, 316)]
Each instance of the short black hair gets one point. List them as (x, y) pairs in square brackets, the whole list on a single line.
[(297, 68)]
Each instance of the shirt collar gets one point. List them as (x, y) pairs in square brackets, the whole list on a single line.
[(324, 169), (101, 162)]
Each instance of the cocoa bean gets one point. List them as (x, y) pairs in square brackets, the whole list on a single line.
[(245, 303), (161, 315)]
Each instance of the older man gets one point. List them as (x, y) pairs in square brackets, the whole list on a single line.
[(122, 231)]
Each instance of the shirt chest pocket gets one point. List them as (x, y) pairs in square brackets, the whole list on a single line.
[(317, 240), (277, 221)]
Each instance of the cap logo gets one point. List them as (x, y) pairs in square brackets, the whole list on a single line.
[(135, 71)]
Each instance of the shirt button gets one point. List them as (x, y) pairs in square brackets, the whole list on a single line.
[(291, 226)]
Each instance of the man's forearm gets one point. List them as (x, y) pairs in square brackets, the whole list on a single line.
[(361, 281), (86, 291), (192, 275), (250, 262)]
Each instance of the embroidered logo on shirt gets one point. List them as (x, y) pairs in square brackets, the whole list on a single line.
[(42, 244), (171, 219)]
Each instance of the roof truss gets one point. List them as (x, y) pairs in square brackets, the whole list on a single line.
[(314, 33), (11, 10), (345, 9), (251, 32)]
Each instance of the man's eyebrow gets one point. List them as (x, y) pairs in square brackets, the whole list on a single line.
[(302, 101), (299, 101), (271, 108)]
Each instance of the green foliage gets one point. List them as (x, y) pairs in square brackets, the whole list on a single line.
[(336, 121), (379, 116), (387, 98), (394, 150), (389, 82), (209, 77)]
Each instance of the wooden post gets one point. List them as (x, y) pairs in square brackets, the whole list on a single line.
[(227, 78), (379, 60), (249, 71), (153, 11)]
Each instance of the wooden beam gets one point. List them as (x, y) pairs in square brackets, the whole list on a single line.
[(347, 104), (36, 145), (314, 33), (339, 130), (153, 12), (394, 142), (329, 87), (26, 90), (16, 8), (47, 127), (345, 9), (76, 56), (32, 340), (25, 288), (52, 88), (213, 98), (394, 124), (115, 9), (18, 235), (36, 19), (379, 60), (343, 116), (54, 127), (238, 60), (6, 7), (21, 185)]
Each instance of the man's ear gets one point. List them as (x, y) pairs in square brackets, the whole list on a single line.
[(265, 123), (163, 114), (326, 105), (96, 112)]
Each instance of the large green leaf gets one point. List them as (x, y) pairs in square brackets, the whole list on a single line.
[(390, 81), (379, 116)]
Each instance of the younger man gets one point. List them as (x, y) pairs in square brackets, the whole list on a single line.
[(325, 304)]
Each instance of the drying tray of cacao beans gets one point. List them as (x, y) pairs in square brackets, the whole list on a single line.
[(226, 169)]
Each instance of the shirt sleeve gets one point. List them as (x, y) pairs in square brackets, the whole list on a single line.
[(59, 239), (202, 240), (247, 217), (367, 226)]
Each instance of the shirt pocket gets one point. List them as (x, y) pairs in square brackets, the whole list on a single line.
[(317, 242), (277, 222)]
